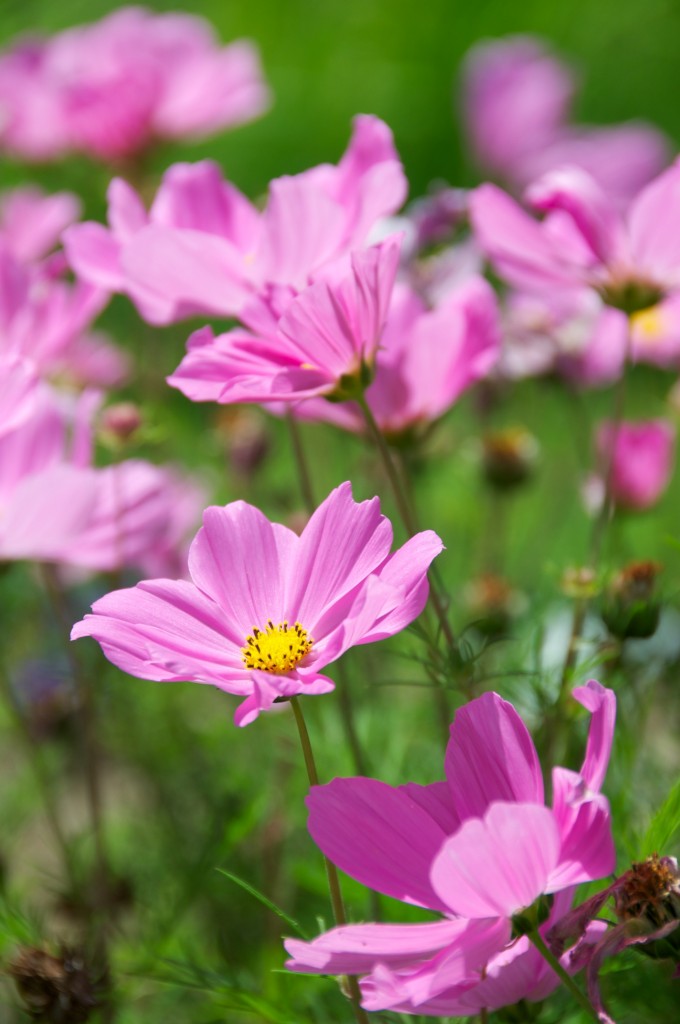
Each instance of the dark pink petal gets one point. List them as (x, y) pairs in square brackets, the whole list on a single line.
[(497, 865), (436, 800), (584, 821), (94, 253), (490, 757), (378, 835), (601, 703)]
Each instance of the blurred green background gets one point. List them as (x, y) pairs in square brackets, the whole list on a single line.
[(329, 59)]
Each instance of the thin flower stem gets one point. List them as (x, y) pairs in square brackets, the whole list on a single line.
[(405, 511), (304, 475), (35, 759), (344, 694), (331, 873), (566, 979), (87, 716)]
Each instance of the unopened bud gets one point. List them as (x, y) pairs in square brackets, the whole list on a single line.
[(630, 608), (509, 457), (119, 422), (580, 583)]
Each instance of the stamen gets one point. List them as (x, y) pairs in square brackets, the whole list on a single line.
[(277, 648)]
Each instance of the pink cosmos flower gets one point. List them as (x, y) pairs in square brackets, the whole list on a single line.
[(516, 101), (426, 359), (325, 343), (204, 248), (31, 221), (641, 460), (632, 262), (122, 516), (47, 320), (112, 88), (477, 848), (265, 609)]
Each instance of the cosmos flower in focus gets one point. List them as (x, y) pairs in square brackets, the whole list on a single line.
[(266, 609)]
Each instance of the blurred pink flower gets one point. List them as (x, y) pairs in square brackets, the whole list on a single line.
[(204, 248), (516, 103), (632, 262), (47, 320), (55, 506), (641, 457), (267, 609), (478, 848), (31, 221), (324, 344), (426, 359), (113, 87)]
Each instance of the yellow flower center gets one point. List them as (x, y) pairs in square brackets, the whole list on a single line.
[(649, 324), (276, 648)]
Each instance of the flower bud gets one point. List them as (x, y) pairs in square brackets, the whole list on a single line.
[(509, 457), (630, 609)]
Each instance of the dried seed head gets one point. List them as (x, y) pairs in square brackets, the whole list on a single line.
[(54, 989)]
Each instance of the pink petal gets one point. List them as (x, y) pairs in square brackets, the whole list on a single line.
[(497, 865), (166, 630), (490, 757), (355, 949), (378, 835), (601, 703), (242, 561), (654, 225)]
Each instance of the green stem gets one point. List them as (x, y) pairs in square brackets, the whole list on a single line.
[(344, 694), (405, 511), (34, 758), (566, 979), (331, 873), (304, 475)]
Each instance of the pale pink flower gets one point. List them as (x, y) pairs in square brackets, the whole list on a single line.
[(632, 262), (265, 609), (516, 103), (427, 358), (31, 221), (47, 320), (55, 506), (477, 848), (324, 344), (641, 457), (204, 248), (114, 87)]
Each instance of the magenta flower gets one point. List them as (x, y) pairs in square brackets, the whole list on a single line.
[(641, 457), (266, 609), (516, 102), (632, 262), (477, 848), (204, 248), (324, 344), (112, 88)]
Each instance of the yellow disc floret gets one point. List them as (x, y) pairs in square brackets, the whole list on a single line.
[(276, 648)]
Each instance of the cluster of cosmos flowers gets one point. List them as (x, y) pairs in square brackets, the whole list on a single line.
[(339, 317)]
